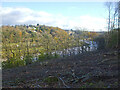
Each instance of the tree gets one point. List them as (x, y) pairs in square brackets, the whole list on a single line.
[(109, 6), (113, 23), (119, 15)]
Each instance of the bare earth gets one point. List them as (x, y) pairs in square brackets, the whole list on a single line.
[(97, 69)]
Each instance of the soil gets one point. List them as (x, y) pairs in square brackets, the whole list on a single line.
[(96, 69)]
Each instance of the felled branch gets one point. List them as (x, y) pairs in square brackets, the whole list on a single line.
[(64, 83)]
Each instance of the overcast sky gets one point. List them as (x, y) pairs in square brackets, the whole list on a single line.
[(66, 15)]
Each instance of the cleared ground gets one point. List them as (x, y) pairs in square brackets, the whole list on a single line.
[(97, 69)]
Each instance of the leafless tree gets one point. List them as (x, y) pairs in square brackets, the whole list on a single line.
[(109, 6), (119, 14), (115, 15)]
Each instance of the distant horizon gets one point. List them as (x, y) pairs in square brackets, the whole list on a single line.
[(65, 15), (81, 29)]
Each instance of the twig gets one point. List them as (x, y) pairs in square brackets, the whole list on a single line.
[(39, 86), (64, 82), (103, 61)]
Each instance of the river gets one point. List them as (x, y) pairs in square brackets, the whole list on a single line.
[(73, 51)]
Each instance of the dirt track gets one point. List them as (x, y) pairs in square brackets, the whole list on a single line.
[(92, 69)]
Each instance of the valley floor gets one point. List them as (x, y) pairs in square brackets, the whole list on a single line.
[(97, 69)]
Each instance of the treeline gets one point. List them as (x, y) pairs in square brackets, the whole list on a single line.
[(21, 43), (109, 40)]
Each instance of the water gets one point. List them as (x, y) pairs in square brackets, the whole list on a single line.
[(70, 51), (75, 50)]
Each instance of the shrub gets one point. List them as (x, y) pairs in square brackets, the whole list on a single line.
[(100, 42), (56, 55), (113, 39), (49, 56), (13, 62), (43, 56), (28, 59)]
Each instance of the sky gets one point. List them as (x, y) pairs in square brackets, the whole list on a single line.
[(66, 15)]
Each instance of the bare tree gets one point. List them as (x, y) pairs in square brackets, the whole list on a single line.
[(115, 15), (109, 6), (119, 14)]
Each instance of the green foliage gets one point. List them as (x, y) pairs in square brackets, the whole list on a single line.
[(41, 57), (113, 39), (51, 79), (13, 62), (108, 40), (28, 59), (46, 56), (33, 34), (56, 55)]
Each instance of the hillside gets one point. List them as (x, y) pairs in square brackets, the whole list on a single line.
[(21, 43), (98, 69)]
